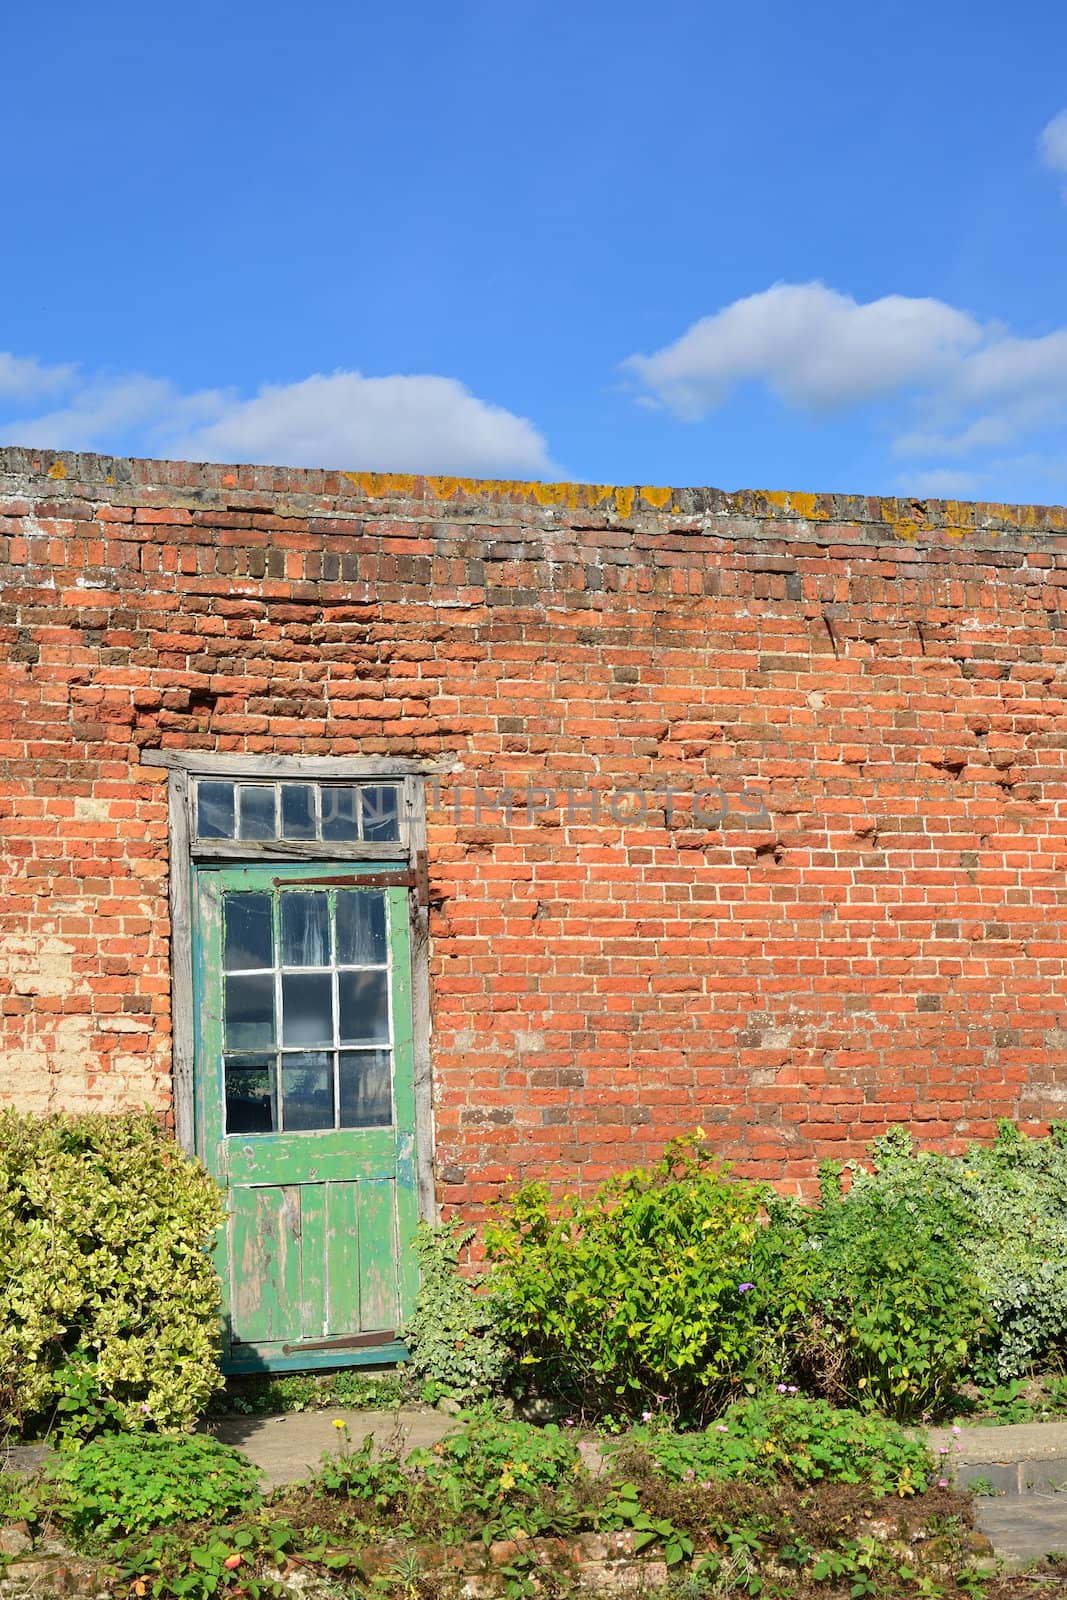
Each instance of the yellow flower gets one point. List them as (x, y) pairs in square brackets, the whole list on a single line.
[(507, 1479), (338, 1423)]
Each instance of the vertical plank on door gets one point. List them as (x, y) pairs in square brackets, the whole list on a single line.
[(314, 1231), (342, 1257), (379, 1307), (265, 1247)]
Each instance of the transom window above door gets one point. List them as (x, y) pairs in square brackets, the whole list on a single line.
[(332, 813)]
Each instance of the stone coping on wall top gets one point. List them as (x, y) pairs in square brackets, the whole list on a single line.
[(65, 475)]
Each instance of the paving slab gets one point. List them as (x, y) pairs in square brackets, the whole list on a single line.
[(1024, 1527), (24, 1458), (1019, 1458), (288, 1448)]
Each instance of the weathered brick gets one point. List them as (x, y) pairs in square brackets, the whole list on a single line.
[(887, 944)]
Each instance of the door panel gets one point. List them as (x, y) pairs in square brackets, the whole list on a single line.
[(305, 1108), (264, 1264), (361, 1277)]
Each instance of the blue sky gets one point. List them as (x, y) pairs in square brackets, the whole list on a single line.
[(768, 245)]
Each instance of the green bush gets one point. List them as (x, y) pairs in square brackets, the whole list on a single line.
[(120, 1485), (110, 1312), (655, 1287), (456, 1350), (1004, 1207), (791, 1437), (877, 1309)]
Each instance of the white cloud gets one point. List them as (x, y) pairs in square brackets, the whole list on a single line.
[(814, 348), (1033, 477), (1052, 145), (99, 410), (1007, 368), (420, 423), (25, 378), (407, 424), (942, 483), (986, 433), (961, 388)]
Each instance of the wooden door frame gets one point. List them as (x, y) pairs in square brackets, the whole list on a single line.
[(184, 766)]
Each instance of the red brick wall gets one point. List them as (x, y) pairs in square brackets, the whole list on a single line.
[(885, 945)]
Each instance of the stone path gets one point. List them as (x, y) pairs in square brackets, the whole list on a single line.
[(290, 1447), (1026, 1464)]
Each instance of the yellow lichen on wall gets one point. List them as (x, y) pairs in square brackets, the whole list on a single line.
[(569, 496), (800, 505), (564, 496), (625, 499)]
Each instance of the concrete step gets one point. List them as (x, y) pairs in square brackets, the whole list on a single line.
[(1024, 1527), (1023, 1458), (1025, 1466)]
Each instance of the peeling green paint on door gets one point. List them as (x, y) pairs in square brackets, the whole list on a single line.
[(305, 1109)]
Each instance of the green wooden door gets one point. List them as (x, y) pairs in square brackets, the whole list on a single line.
[(306, 1110)]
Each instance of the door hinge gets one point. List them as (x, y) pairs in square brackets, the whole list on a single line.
[(354, 1341), (416, 877)]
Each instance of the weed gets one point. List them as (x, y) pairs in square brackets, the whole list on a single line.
[(122, 1484)]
